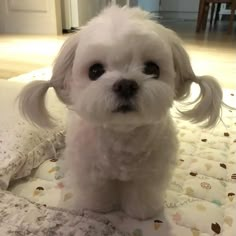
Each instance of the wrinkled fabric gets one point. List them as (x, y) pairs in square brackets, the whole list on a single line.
[(200, 200), (18, 216), (24, 147)]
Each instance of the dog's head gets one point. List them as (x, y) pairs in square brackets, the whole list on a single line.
[(123, 68)]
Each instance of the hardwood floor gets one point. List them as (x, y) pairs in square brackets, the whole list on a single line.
[(23, 53), (213, 52)]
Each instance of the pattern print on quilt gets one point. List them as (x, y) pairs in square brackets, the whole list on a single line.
[(200, 200)]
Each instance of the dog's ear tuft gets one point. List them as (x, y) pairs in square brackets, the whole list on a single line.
[(32, 103), (32, 97), (207, 107), (62, 69)]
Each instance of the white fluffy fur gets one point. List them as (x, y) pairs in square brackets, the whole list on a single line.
[(122, 160)]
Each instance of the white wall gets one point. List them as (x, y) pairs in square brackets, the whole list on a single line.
[(182, 9), (2, 28), (74, 13), (89, 8), (180, 5), (149, 5), (30, 17)]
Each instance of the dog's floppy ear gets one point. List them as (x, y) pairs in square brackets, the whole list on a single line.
[(207, 106), (32, 97), (62, 69)]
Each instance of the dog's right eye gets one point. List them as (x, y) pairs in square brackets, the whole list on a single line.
[(95, 71), (150, 68)]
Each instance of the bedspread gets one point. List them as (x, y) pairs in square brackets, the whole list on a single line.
[(200, 200)]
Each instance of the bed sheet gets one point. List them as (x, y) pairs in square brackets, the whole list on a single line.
[(200, 200)]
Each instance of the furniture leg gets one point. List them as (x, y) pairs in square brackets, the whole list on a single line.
[(231, 20), (212, 13), (217, 13), (200, 15), (206, 10)]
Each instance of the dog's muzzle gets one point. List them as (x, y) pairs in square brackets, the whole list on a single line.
[(125, 90), (124, 108)]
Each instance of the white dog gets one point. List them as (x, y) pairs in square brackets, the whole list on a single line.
[(120, 75)]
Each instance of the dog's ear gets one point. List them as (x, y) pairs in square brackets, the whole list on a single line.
[(62, 69), (207, 106), (32, 97)]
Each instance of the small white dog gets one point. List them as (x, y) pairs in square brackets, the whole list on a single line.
[(121, 74)]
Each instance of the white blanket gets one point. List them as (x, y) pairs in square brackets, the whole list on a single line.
[(23, 148), (201, 198)]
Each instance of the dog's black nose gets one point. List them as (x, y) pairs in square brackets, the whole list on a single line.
[(125, 88)]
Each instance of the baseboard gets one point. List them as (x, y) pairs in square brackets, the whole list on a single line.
[(179, 15)]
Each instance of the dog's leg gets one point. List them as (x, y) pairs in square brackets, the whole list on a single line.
[(141, 199), (100, 196)]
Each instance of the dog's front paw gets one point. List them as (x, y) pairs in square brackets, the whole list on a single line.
[(141, 212), (141, 202), (99, 198), (142, 208), (97, 207)]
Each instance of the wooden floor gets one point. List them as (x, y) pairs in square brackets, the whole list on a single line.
[(213, 52), (20, 53)]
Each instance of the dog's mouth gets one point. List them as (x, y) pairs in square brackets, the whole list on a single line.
[(124, 108)]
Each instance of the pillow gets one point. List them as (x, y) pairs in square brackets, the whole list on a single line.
[(23, 146)]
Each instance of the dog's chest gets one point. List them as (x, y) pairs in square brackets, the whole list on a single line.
[(121, 156)]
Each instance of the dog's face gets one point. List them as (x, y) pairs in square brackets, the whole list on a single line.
[(123, 68), (122, 72)]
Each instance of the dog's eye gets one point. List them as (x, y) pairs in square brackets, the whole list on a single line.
[(95, 71), (150, 68)]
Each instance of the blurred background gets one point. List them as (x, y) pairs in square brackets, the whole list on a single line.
[(58, 16), (32, 31)]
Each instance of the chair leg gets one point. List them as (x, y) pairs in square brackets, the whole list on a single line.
[(231, 20), (217, 13), (212, 13), (200, 15), (206, 10)]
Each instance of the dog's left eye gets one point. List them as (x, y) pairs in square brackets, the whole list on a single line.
[(150, 68), (95, 71)]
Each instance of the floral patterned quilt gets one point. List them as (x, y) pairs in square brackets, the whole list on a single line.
[(22, 149), (200, 200)]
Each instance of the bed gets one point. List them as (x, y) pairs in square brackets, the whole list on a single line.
[(35, 194)]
